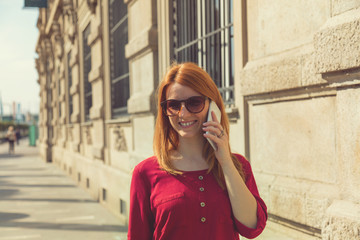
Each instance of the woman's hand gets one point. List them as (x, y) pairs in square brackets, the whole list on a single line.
[(220, 138)]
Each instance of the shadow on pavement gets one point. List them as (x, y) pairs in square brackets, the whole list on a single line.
[(7, 156), (30, 176), (22, 169), (7, 216), (61, 226), (48, 200), (5, 193)]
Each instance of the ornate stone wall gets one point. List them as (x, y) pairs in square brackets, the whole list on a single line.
[(296, 103)]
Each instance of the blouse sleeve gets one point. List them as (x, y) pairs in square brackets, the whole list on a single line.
[(140, 219), (261, 207)]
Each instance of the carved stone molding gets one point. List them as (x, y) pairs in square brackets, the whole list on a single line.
[(120, 141), (92, 5), (70, 134), (59, 132), (94, 35), (48, 47), (88, 135), (59, 46), (75, 117)]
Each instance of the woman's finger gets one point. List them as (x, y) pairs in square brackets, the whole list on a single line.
[(212, 129)]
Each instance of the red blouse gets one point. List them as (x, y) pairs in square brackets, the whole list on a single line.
[(188, 206)]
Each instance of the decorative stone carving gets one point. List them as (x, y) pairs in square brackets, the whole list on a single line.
[(69, 11), (92, 5), (120, 141), (58, 48), (88, 136), (48, 46)]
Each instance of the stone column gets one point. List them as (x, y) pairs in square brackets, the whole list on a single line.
[(97, 82), (143, 66), (75, 131)]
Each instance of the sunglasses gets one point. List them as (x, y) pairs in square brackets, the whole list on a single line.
[(194, 104)]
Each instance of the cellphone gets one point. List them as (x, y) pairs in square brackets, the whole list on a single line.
[(215, 108)]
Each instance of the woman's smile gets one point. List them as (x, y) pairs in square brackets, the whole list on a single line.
[(187, 124)]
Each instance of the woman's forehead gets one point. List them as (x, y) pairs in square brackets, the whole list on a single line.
[(179, 91)]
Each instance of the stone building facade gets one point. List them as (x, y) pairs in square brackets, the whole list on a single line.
[(288, 72)]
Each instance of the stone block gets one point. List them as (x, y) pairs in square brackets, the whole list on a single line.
[(293, 25), (143, 133), (337, 43), (288, 203), (294, 138), (348, 142), (342, 221)]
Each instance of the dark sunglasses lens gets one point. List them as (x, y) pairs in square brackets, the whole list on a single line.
[(195, 104), (172, 107)]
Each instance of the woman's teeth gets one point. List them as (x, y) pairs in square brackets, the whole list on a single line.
[(186, 124)]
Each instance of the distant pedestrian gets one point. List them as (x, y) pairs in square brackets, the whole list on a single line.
[(11, 136), (17, 132)]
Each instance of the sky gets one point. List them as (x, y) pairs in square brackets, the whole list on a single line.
[(18, 76)]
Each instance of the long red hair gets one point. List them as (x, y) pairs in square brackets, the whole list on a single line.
[(166, 138)]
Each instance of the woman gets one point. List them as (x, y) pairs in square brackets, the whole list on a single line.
[(188, 190)]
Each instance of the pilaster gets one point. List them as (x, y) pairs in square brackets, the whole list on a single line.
[(142, 52)]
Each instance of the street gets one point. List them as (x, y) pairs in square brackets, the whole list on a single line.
[(38, 201)]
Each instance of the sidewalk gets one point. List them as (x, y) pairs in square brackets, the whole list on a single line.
[(38, 201)]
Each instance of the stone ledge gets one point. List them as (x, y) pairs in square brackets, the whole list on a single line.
[(96, 73), (342, 221), (96, 112), (75, 117), (143, 41), (76, 147), (280, 73), (98, 152), (62, 97), (94, 35), (141, 102), (74, 57), (337, 43), (74, 88)]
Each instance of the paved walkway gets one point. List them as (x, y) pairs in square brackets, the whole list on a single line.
[(38, 201)]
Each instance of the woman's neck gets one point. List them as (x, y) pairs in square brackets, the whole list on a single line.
[(189, 154)]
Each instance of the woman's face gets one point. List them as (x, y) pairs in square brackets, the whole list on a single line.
[(185, 123)]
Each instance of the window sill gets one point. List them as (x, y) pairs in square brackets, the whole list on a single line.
[(86, 124), (233, 113), (121, 119)]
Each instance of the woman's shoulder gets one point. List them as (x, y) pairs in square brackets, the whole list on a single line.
[(244, 162), (148, 164)]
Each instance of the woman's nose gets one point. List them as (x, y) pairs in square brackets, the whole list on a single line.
[(183, 110)]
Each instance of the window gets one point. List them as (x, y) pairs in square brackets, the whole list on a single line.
[(69, 78), (203, 33), (87, 69), (119, 65)]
